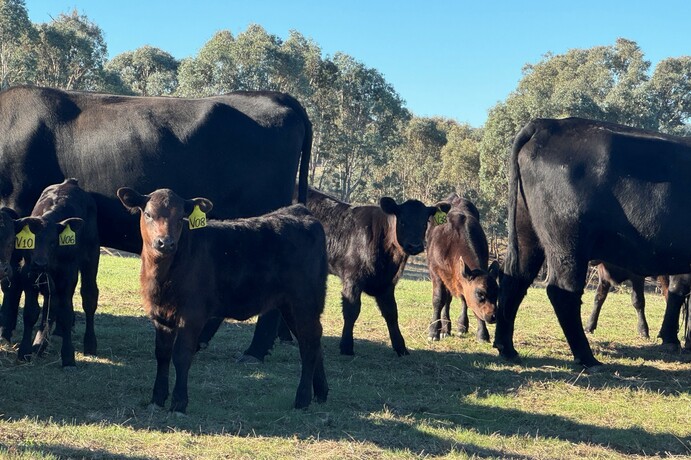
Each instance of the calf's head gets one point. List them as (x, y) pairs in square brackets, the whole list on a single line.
[(163, 215), (43, 240), (480, 290), (411, 221)]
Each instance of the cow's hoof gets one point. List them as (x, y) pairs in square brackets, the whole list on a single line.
[(248, 359), (670, 347), (178, 415), (595, 369), (153, 407), (482, 339), (433, 339)]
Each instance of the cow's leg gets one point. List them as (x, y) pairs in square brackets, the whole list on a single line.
[(565, 286), (308, 331), (678, 290), (209, 330), (31, 314), (185, 346), (263, 338), (41, 339), (284, 334), (463, 323), (482, 334), (89, 292), (65, 285), (164, 350), (350, 297), (687, 323), (446, 316), (439, 293), (387, 305), (12, 293), (638, 302), (603, 287), (524, 259)]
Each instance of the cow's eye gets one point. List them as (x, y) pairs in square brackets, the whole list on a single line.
[(147, 216), (481, 296)]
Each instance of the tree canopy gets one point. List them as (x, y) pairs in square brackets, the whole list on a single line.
[(366, 142)]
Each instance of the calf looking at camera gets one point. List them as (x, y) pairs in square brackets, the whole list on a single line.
[(195, 270)]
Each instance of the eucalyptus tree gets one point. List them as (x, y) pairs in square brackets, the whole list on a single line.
[(17, 61), (147, 71), (70, 53)]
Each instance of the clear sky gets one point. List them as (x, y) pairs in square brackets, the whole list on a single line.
[(450, 58)]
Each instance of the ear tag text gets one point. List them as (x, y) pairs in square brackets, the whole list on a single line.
[(25, 239), (439, 217), (67, 237), (197, 218)]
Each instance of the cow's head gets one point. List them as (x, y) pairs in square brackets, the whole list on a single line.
[(41, 240), (7, 217), (480, 290), (411, 221), (163, 216)]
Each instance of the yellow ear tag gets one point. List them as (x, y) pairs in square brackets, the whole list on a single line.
[(67, 237), (25, 239), (440, 217), (197, 218)]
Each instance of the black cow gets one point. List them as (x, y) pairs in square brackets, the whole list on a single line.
[(240, 150), (584, 190), (234, 269), (458, 261), (62, 243)]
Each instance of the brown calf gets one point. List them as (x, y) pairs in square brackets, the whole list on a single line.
[(458, 256)]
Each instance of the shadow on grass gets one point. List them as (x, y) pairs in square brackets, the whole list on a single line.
[(415, 403)]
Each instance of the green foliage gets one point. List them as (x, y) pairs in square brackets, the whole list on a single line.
[(147, 71), (16, 36), (71, 53)]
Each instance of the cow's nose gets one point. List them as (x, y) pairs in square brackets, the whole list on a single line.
[(491, 319), (164, 244)]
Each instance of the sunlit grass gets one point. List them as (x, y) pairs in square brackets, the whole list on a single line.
[(452, 398)]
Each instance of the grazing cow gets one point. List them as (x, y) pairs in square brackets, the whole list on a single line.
[(240, 150), (610, 275), (54, 245), (677, 288), (584, 190), (458, 260), (234, 269)]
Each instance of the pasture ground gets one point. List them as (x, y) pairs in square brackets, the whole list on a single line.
[(451, 399)]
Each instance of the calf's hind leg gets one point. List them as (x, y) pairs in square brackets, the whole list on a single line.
[(308, 332), (350, 296)]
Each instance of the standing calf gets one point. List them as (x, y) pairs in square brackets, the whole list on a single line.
[(234, 269), (368, 247), (458, 258), (54, 245)]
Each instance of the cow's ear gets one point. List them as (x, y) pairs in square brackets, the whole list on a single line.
[(10, 212), (495, 270), (442, 206), (205, 205), (35, 224), (132, 199), (466, 272), (388, 205), (75, 224)]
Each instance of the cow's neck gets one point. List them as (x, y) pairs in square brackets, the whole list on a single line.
[(155, 278)]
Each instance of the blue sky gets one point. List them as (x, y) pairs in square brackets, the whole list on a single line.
[(455, 59)]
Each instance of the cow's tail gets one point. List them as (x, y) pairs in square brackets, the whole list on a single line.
[(515, 187), (303, 175)]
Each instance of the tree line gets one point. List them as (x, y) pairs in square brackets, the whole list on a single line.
[(366, 142)]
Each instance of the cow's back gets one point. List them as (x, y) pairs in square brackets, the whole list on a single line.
[(241, 150)]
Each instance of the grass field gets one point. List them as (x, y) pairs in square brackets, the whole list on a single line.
[(452, 399)]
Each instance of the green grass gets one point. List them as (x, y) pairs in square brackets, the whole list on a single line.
[(452, 399)]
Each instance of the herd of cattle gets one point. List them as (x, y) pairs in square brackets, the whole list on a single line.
[(74, 165)]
